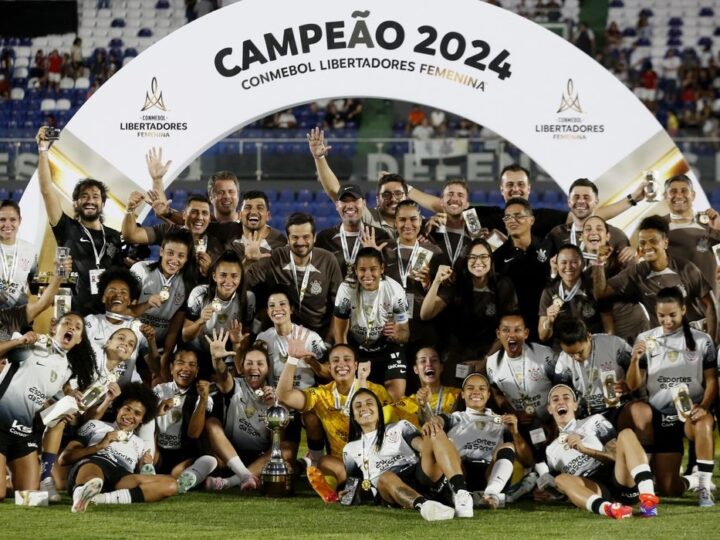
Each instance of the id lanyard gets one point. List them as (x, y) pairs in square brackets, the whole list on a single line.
[(301, 288), (349, 257), (454, 256), (99, 256), (405, 270)]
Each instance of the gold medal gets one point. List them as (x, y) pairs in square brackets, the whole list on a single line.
[(557, 301), (216, 305), (165, 294), (529, 409), (651, 344), (366, 485), (702, 218)]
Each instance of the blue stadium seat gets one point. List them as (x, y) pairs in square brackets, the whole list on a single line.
[(706, 12), (286, 196), (305, 195), (118, 23)]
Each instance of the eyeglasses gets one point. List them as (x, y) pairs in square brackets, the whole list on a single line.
[(472, 258), (387, 195), (514, 217)]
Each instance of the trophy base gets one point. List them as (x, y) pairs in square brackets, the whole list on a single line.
[(277, 485)]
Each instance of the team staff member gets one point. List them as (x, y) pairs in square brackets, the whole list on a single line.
[(18, 258), (472, 299), (641, 282), (570, 295), (523, 259), (93, 246), (595, 464), (515, 182), (35, 373), (309, 275), (628, 318), (664, 358), (691, 237), (583, 201), (392, 188), (256, 239), (346, 239), (450, 238), (371, 315)]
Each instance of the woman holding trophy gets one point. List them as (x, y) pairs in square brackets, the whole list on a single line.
[(676, 364)]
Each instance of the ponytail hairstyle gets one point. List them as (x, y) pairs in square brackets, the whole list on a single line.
[(230, 257), (670, 295), (355, 429), (188, 273), (81, 357)]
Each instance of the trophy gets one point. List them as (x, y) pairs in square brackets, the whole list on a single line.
[(651, 188), (612, 399), (61, 255), (472, 222), (682, 400), (63, 302), (95, 392), (277, 478)]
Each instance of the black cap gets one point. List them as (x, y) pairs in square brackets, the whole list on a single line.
[(350, 189)]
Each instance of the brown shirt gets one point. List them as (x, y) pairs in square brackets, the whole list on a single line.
[(694, 243)]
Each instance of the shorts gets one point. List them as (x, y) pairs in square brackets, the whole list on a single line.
[(53, 77), (170, 458), (385, 364), (475, 474), (415, 478), (293, 431), (112, 473), (15, 447), (668, 433), (611, 488)]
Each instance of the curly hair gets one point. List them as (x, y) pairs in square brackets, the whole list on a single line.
[(137, 391)]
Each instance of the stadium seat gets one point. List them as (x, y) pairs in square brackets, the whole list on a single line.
[(82, 83), (48, 104), (17, 94)]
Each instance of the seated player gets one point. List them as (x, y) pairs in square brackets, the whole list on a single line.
[(396, 463), (184, 403), (237, 431), (677, 367), (432, 398), (596, 465), (107, 457), (485, 441)]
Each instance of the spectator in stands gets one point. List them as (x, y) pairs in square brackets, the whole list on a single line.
[(415, 117), (585, 39), (669, 71), (54, 69), (203, 7), (77, 60), (285, 120), (353, 111), (644, 29), (6, 62), (424, 131), (647, 90), (39, 67), (334, 118), (4, 88), (98, 65), (522, 9), (613, 37)]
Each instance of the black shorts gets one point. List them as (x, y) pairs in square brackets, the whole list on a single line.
[(385, 364), (668, 433), (15, 447), (170, 458), (611, 488), (112, 473), (475, 474), (293, 431), (416, 479)]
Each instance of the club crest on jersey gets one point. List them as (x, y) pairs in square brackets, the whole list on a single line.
[(588, 311), (53, 376), (392, 437), (542, 255), (490, 310), (535, 374), (702, 246), (315, 287), (692, 356)]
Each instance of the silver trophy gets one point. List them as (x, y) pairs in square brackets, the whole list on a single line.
[(276, 474), (61, 255), (651, 187)]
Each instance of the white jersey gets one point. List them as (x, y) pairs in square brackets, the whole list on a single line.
[(41, 374), (152, 283), (671, 363), (277, 351), (609, 353), (123, 454), (243, 424), (595, 431), (16, 263), (229, 311), (99, 330), (524, 381), (475, 434), (396, 453), (169, 425), (368, 311)]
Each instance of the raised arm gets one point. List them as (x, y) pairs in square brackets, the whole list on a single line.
[(287, 395), (618, 207), (328, 180), (431, 202), (432, 304), (46, 299), (49, 194), (131, 232)]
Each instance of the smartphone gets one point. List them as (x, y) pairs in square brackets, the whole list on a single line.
[(52, 134)]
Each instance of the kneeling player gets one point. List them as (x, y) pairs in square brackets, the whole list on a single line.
[(595, 465), (108, 455)]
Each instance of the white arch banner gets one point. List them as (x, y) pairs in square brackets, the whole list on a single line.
[(255, 57)]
